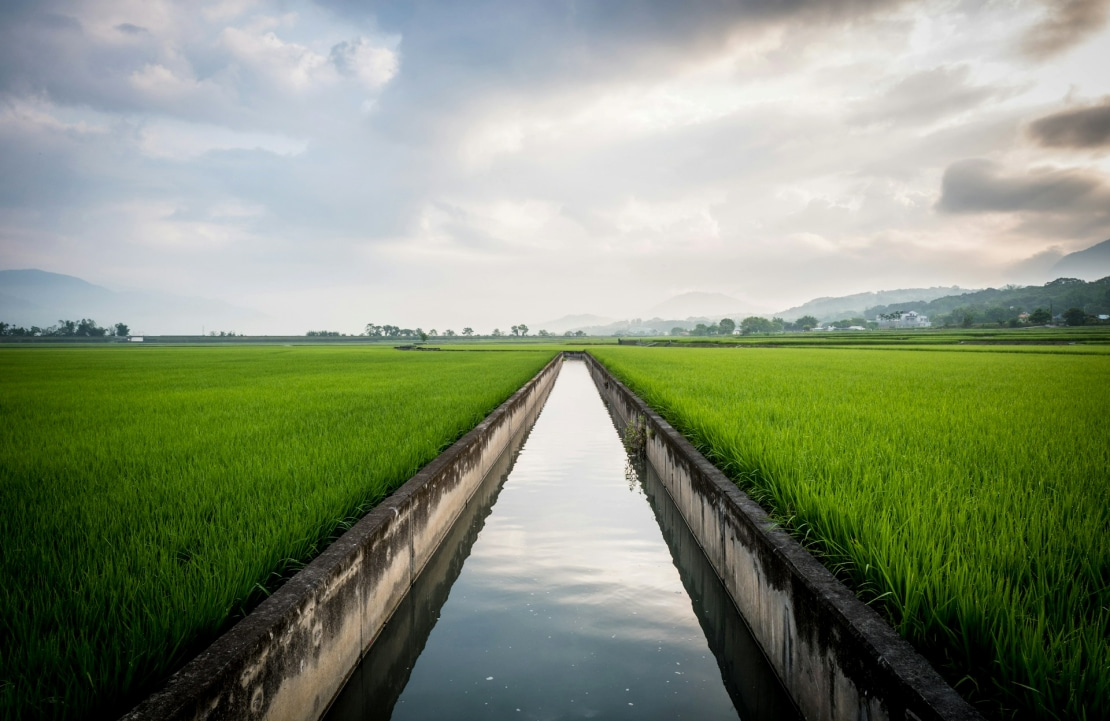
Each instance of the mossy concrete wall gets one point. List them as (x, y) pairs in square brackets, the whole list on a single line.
[(838, 659), (289, 658)]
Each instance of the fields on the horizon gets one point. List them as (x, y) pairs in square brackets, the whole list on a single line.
[(149, 496), (964, 493)]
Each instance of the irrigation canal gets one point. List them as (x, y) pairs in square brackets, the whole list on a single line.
[(569, 588)]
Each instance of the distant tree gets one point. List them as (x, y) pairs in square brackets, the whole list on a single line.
[(374, 331), (422, 334), (1040, 316), (849, 322), (543, 333), (579, 333), (700, 329), (677, 331), (65, 328), (122, 331), (515, 330), (87, 328), (755, 324), (497, 333), (726, 326), (433, 332), (449, 333), (523, 330), (1075, 316), (806, 322), (468, 332), (962, 316), (4, 328), (998, 314)]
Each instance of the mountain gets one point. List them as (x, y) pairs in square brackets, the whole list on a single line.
[(851, 306), (36, 297), (695, 304), (1002, 304), (1090, 264), (571, 322)]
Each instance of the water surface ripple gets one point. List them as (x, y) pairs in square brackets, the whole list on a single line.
[(570, 588)]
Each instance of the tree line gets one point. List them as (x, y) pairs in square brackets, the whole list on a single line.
[(84, 328), (372, 330), (751, 325)]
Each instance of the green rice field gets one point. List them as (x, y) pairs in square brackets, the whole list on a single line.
[(151, 496), (964, 494)]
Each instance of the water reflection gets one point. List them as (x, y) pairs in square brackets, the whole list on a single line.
[(569, 605)]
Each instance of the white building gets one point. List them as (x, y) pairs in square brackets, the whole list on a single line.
[(903, 319)]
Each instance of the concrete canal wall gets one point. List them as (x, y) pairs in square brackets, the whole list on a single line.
[(287, 660), (838, 658)]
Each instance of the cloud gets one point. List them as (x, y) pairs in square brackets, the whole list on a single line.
[(1077, 128), (289, 65), (1068, 202), (1066, 23), (926, 96), (979, 186), (374, 66)]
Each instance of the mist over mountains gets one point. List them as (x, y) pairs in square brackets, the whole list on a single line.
[(1090, 264), (37, 297)]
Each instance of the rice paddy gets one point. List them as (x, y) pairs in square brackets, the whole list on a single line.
[(151, 496), (964, 494)]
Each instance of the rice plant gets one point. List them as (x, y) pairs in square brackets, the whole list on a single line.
[(151, 496), (966, 495)]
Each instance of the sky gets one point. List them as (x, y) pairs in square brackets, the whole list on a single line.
[(440, 164)]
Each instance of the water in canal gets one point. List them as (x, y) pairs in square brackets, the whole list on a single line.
[(569, 588)]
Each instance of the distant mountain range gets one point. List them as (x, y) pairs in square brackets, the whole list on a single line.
[(572, 322), (36, 297), (688, 309), (851, 306), (1001, 304), (700, 305)]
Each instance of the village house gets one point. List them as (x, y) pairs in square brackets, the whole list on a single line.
[(903, 319)]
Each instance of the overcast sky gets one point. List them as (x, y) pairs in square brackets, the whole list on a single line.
[(489, 163)]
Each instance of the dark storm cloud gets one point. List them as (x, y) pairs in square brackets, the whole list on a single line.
[(1068, 23), (1078, 128), (1049, 202)]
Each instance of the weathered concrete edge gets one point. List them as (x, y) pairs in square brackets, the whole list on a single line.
[(291, 655), (836, 656)]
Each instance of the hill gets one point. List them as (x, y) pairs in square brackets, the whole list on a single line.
[(850, 306), (1089, 264), (1002, 304), (37, 297), (699, 305), (572, 322)]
